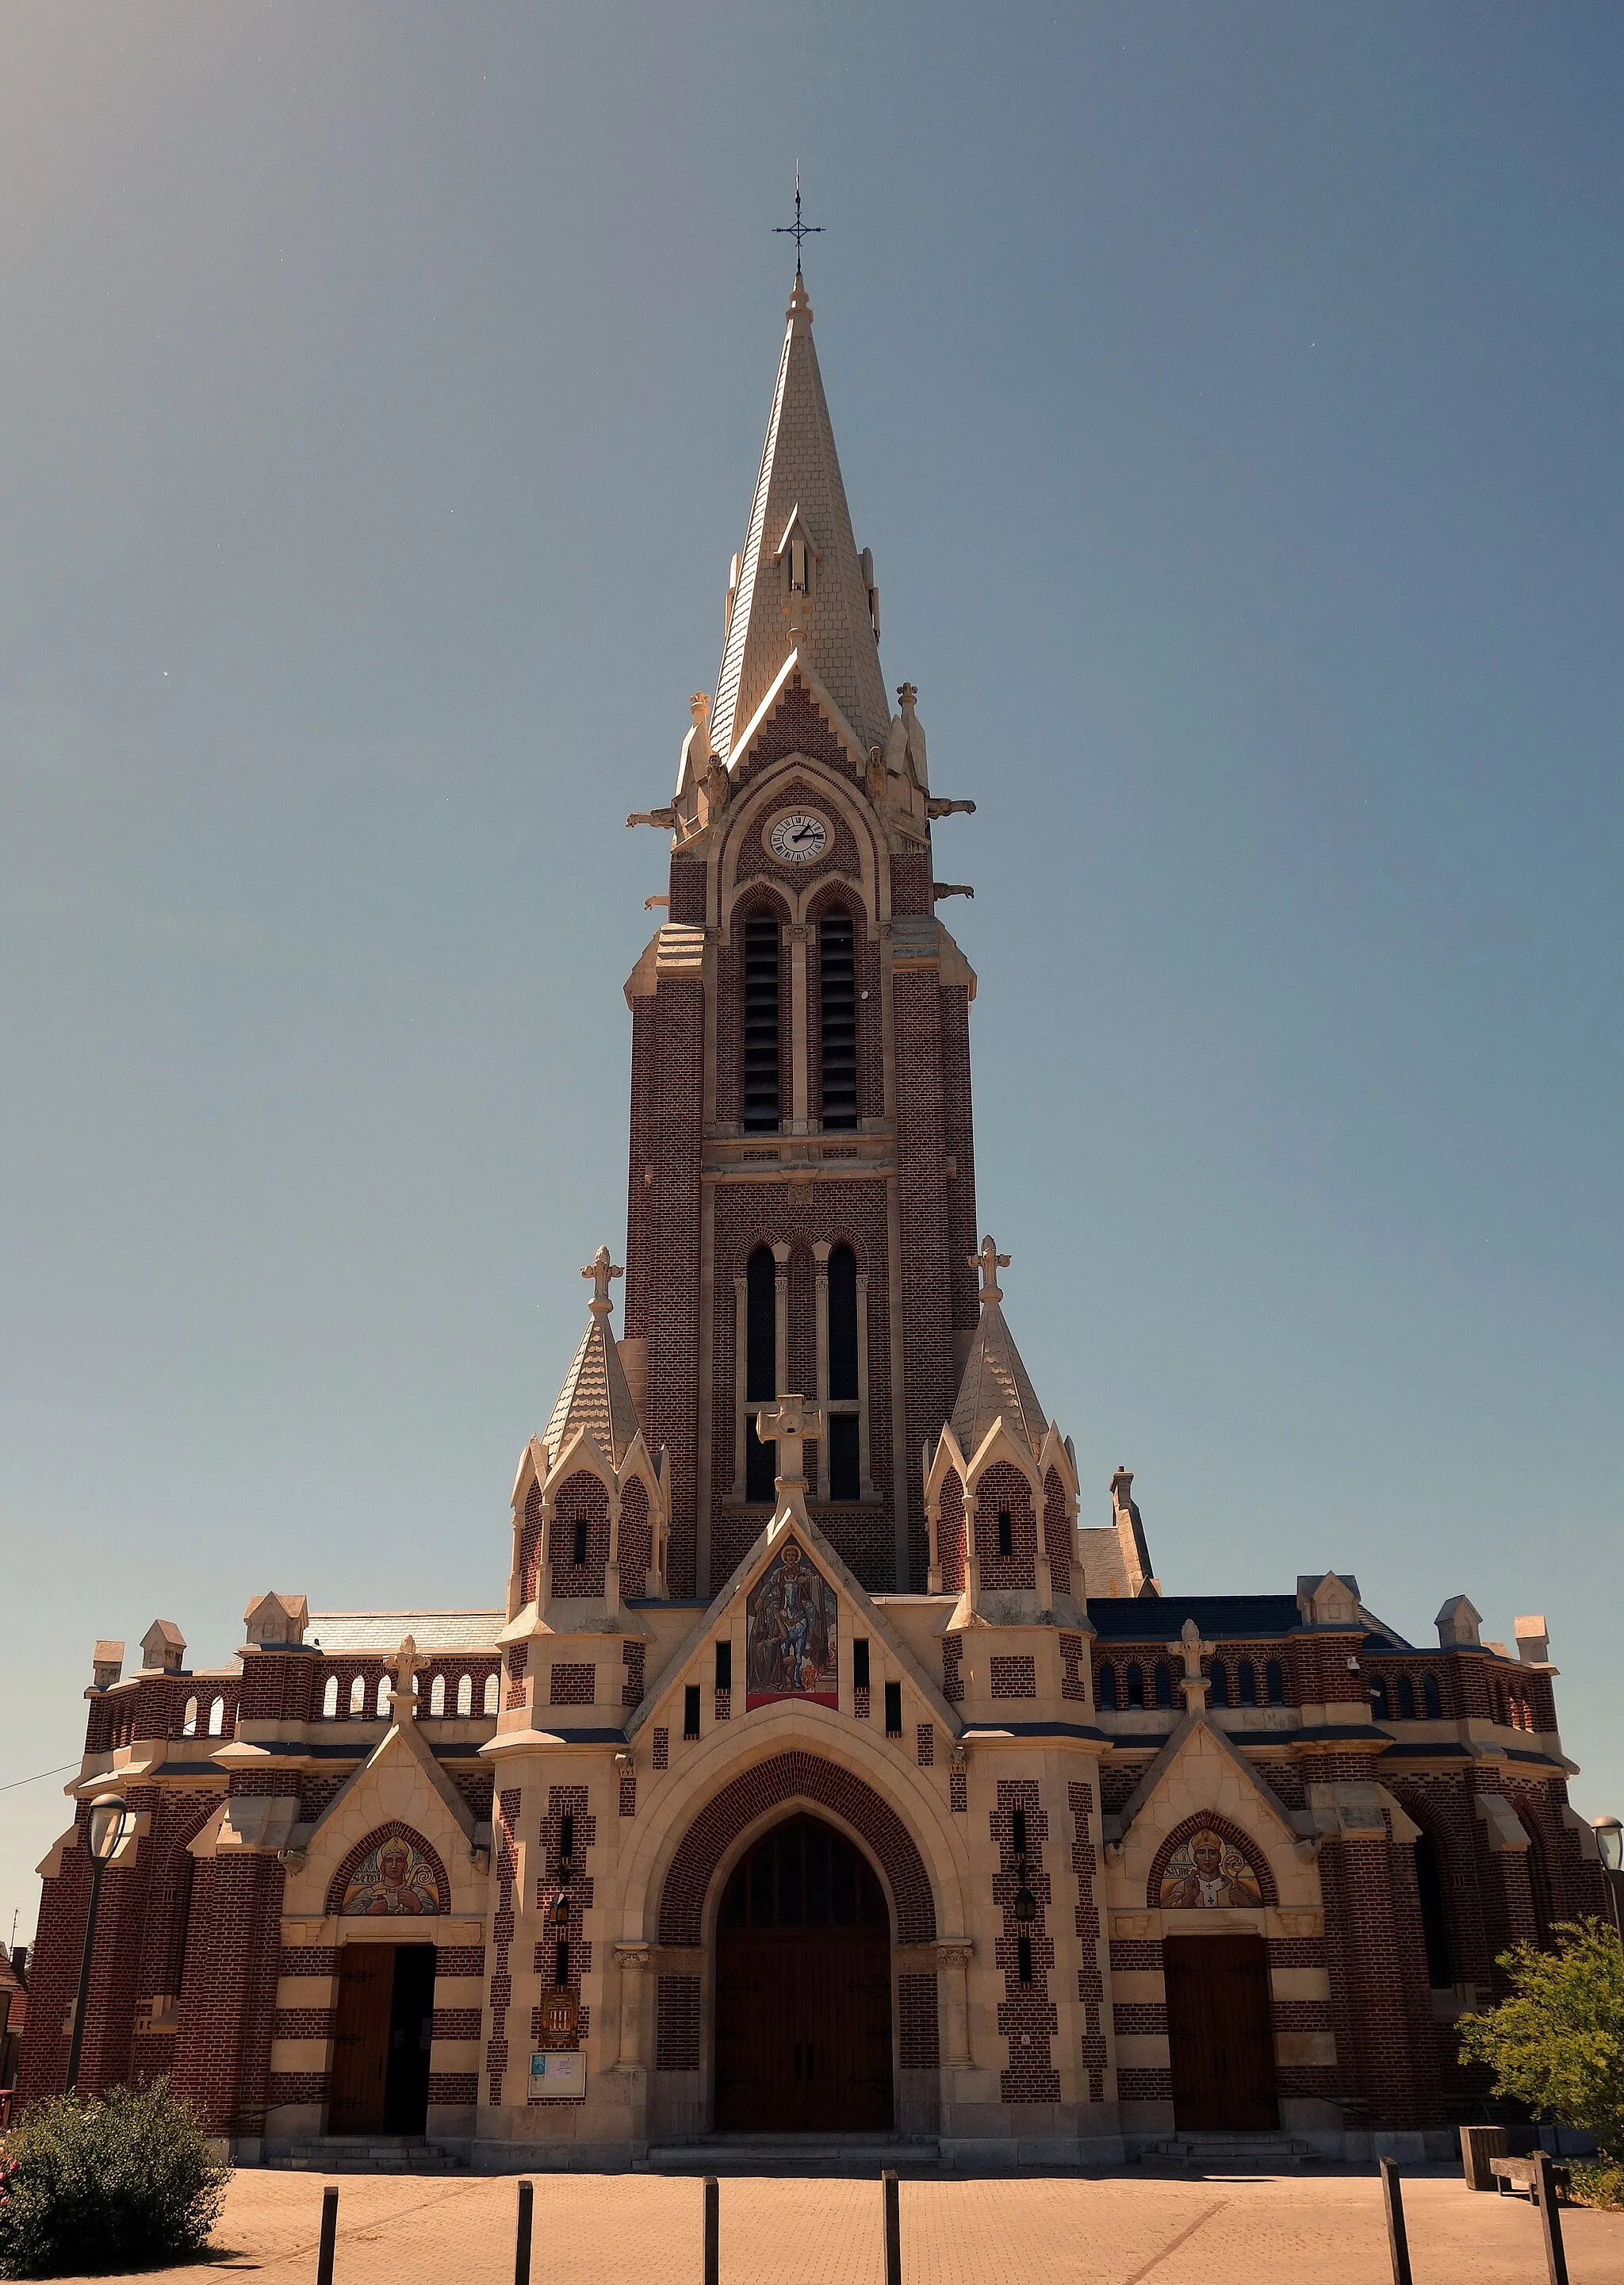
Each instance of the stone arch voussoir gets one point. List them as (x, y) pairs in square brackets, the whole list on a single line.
[(799, 1778)]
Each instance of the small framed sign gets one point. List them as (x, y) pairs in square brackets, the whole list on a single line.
[(555, 2071), (559, 2014)]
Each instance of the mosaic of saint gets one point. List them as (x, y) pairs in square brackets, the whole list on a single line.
[(392, 1878), (1207, 1870), (790, 1622)]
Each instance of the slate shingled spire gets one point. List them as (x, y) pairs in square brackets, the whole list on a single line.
[(799, 490)]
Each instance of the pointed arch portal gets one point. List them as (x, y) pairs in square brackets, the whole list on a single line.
[(803, 1987)]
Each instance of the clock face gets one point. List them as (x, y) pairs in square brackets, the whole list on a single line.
[(798, 838)]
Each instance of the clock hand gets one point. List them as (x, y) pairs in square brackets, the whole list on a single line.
[(805, 831)]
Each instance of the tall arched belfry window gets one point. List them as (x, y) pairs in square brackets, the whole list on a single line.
[(761, 1095), (760, 1369), (837, 1020), (845, 1419)]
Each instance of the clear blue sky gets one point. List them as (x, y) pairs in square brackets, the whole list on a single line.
[(1230, 397)]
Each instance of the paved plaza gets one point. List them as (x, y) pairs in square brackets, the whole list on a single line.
[(642, 2229)]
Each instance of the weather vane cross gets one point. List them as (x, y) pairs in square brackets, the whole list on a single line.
[(797, 229)]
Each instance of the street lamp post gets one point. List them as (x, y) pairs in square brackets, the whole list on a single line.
[(1610, 1843), (104, 1830)]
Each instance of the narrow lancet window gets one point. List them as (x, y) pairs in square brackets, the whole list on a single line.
[(837, 1019), (761, 1082), (845, 1435)]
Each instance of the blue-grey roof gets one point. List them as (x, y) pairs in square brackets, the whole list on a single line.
[(1160, 1618)]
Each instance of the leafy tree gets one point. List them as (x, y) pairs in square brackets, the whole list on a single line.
[(1556, 2044), (128, 2182)]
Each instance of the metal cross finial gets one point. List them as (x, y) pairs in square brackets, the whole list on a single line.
[(600, 1269), (990, 1262), (797, 229)]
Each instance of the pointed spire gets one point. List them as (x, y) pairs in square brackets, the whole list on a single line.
[(595, 1396), (996, 1384), (801, 586)]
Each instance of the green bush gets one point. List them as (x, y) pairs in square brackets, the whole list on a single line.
[(127, 2182), (1600, 2185), (1556, 2044)]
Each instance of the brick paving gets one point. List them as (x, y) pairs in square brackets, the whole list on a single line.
[(1128, 2229)]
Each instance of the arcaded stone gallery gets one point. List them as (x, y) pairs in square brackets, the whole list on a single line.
[(832, 1762)]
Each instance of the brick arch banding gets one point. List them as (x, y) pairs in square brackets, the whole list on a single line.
[(795, 1777), (1250, 1847), (394, 1830)]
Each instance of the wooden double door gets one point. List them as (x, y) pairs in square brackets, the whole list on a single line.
[(1220, 2031), (803, 1990), (382, 2032)]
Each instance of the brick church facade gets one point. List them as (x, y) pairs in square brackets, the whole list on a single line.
[(826, 1765)]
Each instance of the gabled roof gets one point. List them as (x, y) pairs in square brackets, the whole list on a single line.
[(595, 1397), (996, 1385), (800, 476)]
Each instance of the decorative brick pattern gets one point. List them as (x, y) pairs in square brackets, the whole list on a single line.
[(310, 1959), (1056, 1533), (518, 1666), (1134, 2085), (1129, 1953), (571, 1684), (953, 1669), (662, 1749), (506, 1868), (297, 2087), (1015, 1678), (457, 2022), (460, 2087), (959, 1791), (453, 1959), (1090, 1982), (924, 1743), (676, 2039), (634, 1656), (723, 1705), (394, 1830), (301, 2023), (1027, 2017), (628, 1793), (636, 1549), (1138, 2018), (788, 1776), (1072, 1684), (1003, 1489), (577, 1893), (860, 1704), (916, 2022)]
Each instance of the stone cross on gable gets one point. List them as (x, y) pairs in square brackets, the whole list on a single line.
[(1194, 1683), (600, 1269), (792, 1423), (990, 1262), (402, 1698)]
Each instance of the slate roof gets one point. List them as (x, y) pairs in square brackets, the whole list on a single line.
[(594, 1396), (996, 1384), (800, 470), (384, 1630)]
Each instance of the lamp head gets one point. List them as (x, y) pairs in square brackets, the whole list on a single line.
[(1610, 1841), (106, 1825)]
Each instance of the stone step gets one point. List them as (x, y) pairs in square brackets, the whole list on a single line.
[(362, 2155), (775, 2154)]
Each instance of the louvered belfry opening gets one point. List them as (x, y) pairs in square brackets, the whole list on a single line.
[(760, 1370), (761, 1103), (837, 1019)]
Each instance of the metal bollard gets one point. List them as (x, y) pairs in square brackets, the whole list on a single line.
[(893, 2231), (713, 2231), (522, 2244), (329, 2234), (1398, 2240), (1551, 2219)]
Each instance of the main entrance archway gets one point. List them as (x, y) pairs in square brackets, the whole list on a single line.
[(803, 1987), (1219, 2034)]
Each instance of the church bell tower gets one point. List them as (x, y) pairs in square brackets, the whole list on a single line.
[(802, 1194)]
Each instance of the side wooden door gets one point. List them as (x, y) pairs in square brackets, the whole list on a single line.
[(1220, 2033), (361, 2038)]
